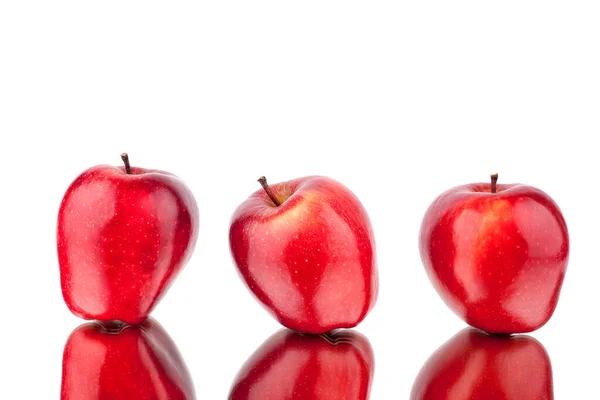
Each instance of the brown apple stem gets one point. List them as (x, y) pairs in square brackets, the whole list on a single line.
[(263, 181), (125, 158), (494, 178)]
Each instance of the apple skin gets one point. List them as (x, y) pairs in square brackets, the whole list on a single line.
[(291, 365), (138, 362), (122, 239), (310, 261), (498, 260), (475, 365)]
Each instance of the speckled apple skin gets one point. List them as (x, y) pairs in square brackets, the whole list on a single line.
[(310, 261), (290, 366), (122, 239), (140, 362), (474, 365), (498, 260)]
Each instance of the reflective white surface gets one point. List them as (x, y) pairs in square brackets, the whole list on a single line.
[(398, 102)]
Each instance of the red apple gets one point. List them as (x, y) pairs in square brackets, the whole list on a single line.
[(305, 248), (497, 254), (475, 365), (291, 365), (132, 362), (123, 236)]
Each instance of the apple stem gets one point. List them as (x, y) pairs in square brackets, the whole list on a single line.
[(494, 178), (125, 158), (263, 181)]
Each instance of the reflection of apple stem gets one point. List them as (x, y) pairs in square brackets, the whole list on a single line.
[(494, 180), (125, 158), (263, 181)]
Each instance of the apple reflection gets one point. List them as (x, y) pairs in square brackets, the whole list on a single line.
[(124, 362), (290, 365), (475, 365)]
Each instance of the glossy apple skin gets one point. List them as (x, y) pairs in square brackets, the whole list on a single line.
[(310, 261), (139, 362), (291, 365), (498, 260), (475, 365), (122, 239)]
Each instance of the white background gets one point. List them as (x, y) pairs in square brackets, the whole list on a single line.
[(397, 101)]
